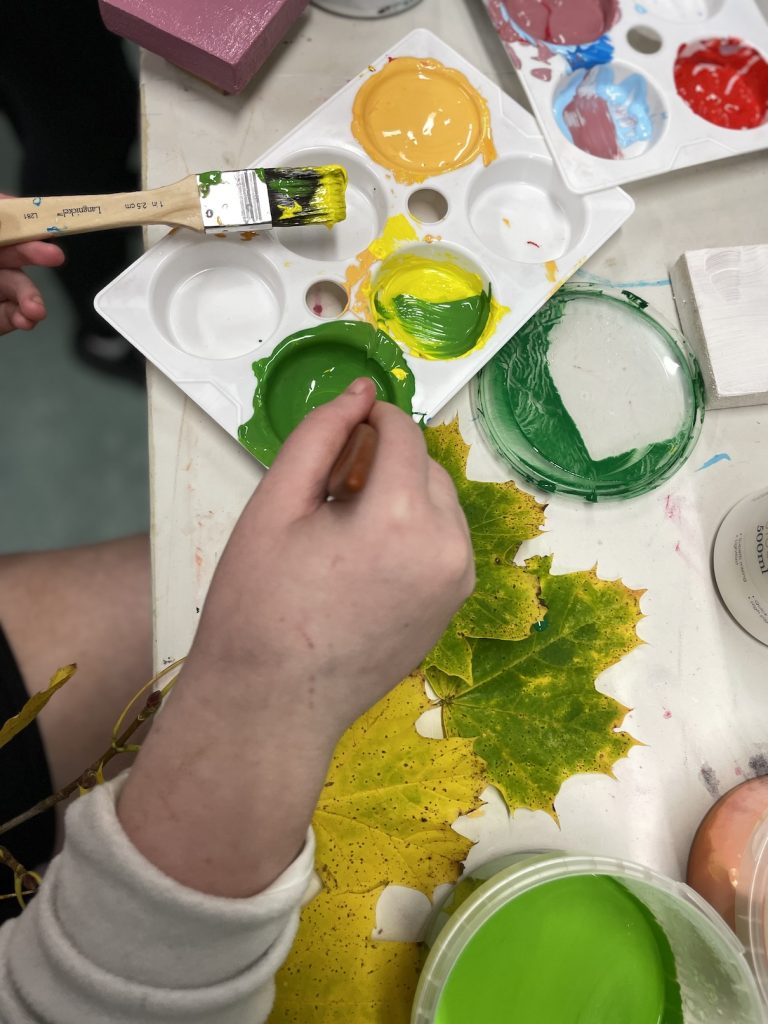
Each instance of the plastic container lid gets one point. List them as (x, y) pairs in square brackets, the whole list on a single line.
[(596, 396)]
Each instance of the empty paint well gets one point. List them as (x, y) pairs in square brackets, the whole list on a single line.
[(521, 210), (567, 939), (217, 301), (311, 367), (596, 396)]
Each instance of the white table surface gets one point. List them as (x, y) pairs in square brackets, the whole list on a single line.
[(698, 687)]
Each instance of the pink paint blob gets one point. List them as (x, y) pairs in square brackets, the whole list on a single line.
[(545, 74), (317, 309), (591, 126), (667, 713), (568, 23)]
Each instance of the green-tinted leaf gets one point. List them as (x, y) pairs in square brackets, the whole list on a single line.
[(531, 706), (505, 603)]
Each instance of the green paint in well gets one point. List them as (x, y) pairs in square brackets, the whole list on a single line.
[(448, 328), (311, 367), (206, 180), (578, 950), (525, 419)]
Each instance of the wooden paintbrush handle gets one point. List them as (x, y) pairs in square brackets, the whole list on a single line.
[(52, 217), (350, 471)]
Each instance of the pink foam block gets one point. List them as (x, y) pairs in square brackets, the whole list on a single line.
[(224, 42)]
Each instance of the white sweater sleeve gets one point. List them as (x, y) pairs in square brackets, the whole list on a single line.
[(110, 938)]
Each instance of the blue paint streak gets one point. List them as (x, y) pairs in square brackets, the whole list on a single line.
[(720, 457), (53, 230), (37, 200), (640, 9), (606, 282), (626, 102), (587, 55)]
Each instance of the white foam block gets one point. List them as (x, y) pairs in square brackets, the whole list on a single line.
[(722, 301)]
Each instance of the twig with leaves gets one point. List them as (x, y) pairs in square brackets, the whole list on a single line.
[(27, 882)]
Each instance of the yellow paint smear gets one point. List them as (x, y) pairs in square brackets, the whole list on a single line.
[(418, 118), (551, 268), (396, 231)]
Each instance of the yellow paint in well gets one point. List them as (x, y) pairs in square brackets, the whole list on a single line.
[(431, 280), (418, 118)]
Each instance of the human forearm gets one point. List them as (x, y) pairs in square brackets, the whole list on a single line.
[(222, 794)]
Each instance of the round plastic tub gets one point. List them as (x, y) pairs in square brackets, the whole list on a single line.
[(711, 968)]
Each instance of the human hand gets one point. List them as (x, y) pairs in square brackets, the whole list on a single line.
[(316, 609), (21, 304), (327, 605)]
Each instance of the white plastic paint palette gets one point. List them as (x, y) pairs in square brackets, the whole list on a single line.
[(203, 309), (654, 128)]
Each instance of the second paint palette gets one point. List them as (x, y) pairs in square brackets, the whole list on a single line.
[(448, 257), (626, 89)]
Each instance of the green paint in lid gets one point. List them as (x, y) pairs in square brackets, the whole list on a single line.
[(313, 366), (596, 396), (578, 950)]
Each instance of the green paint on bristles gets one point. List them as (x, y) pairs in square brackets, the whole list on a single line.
[(306, 195)]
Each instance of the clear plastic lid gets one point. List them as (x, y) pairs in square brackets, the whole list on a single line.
[(596, 396)]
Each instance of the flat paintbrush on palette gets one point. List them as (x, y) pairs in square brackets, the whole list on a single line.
[(213, 202)]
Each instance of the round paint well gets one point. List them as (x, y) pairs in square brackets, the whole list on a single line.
[(611, 111), (568, 23), (558, 938), (723, 81), (418, 118), (313, 366), (596, 396), (366, 209), (217, 300), (681, 10), (434, 300), (521, 210)]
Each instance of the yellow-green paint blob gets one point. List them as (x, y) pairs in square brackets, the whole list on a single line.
[(418, 118), (433, 306)]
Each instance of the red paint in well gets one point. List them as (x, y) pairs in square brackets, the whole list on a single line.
[(724, 81)]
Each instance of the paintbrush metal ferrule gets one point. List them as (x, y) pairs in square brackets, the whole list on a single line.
[(233, 201)]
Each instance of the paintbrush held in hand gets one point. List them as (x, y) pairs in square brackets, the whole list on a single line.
[(213, 202)]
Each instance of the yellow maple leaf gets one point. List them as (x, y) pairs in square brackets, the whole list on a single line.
[(384, 817), (385, 812), (35, 705), (336, 974)]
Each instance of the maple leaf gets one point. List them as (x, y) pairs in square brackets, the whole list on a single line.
[(35, 705), (336, 974), (385, 812), (531, 706), (505, 603), (384, 817)]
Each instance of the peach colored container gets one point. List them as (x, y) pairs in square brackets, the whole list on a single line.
[(728, 866)]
